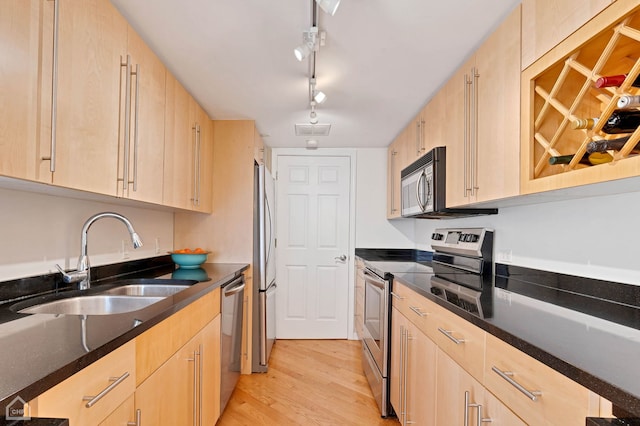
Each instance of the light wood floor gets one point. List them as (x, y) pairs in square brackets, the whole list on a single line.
[(309, 382)]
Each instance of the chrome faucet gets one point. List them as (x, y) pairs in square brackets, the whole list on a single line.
[(82, 274)]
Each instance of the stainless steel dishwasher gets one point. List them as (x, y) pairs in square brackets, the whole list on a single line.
[(231, 337)]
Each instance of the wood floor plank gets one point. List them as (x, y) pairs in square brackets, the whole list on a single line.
[(309, 382)]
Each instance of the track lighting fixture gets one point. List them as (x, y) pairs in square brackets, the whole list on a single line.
[(329, 6), (313, 117), (316, 95), (309, 44)]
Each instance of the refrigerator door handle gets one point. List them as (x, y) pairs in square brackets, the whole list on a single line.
[(270, 221)]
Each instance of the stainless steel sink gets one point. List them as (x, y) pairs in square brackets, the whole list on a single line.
[(151, 290), (93, 305)]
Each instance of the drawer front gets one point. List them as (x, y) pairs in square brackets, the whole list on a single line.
[(412, 305), (461, 340), (153, 346), (67, 399), (550, 398)]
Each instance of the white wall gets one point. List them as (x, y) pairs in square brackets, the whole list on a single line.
[(373, 230), (37, 231), (595, 237)]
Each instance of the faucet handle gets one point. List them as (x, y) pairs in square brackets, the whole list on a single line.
[(73, 276)]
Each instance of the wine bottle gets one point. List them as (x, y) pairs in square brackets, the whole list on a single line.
[(584, 123), (629, 102), (615, 80), (611, 144), (588, 159), (622, 121)]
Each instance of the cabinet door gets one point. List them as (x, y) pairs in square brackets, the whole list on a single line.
[(210, 402), (457, 141), (169, 396), (435, 118), (546, 23), (203, 163), (178, 145), (19, 84), (498, 113), (399, 325), (421, 378), (359, 299), (393, 181), (459, 393), (92, 41), (453, 382), (143, 152)]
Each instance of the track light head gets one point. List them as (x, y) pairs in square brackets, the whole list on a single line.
[(319, 96), (303, 51), (309, 44), (329, 6)]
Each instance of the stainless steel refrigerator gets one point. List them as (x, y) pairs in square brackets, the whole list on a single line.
[(264, 274)]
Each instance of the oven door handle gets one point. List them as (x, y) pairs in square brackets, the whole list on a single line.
[(374, 279)]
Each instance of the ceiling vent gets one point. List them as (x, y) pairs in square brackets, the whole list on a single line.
[(313, 129)]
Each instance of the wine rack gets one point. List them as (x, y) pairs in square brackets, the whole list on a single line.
[(560, 87)]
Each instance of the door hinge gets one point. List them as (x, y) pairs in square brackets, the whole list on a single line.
[(275, 243)]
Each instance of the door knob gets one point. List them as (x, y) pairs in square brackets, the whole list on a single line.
[(342, 258)]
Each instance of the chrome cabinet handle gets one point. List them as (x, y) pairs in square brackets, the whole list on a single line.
[(401, 373), (418, 311), (135, 129), (418, 141), (465, 126), (138, 421), (507, 375), (397, 296), (393, 182), (92, 400), (449, 334), (474, 132), (200, 377), (199, 164), (127, 117), (54, 87), (196, 165)]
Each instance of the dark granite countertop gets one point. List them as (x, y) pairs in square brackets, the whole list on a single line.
[(586, 329), (38, 351), (34, 422)]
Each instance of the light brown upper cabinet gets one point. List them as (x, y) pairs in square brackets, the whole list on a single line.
[(91, 41), (141, 152), (21, 27), (188, 151), (560, 88), (482, 129), (545, 23), (394, 166)]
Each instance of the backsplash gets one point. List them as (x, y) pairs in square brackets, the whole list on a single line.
[(593, 237), (38, 231)]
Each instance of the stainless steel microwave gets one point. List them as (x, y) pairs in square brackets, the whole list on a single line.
[(424, 189)]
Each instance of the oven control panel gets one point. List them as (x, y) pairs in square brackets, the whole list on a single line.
[(466, 241)]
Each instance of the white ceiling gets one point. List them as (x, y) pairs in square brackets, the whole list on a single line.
[(383, 59)]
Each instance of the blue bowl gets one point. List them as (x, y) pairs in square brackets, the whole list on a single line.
[(189, 260)]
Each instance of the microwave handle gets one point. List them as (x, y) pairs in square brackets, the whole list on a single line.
[(422, 205)]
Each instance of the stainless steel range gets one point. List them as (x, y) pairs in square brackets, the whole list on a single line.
[(377, 325), (461, 273)]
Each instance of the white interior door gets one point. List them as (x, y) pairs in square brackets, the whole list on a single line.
[(313, 235)]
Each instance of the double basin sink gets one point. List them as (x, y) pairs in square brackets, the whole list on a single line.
[(120, 297)]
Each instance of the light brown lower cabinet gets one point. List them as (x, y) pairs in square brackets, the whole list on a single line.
[(462, 400), (78, 397), (183, 390), (413, 373), (169, 375)]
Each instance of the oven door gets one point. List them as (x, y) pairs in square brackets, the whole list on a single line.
[(376, 319), (417, 192)]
